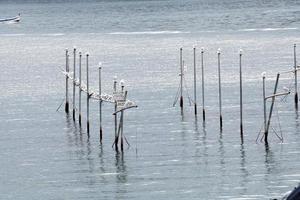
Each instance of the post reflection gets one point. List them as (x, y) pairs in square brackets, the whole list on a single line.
[(243, 168), (121, 175)]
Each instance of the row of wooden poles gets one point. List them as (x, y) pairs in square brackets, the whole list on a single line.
[(265, 98), (118, 129)]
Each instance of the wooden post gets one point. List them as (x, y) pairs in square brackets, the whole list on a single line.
[(241, 99), (74, 80), (195, 84), (271, 109), (122, 113), (79, 117), (296, 84), (220, 90), (181, 79), (100, 102), (87, 96), (120, 127), (67, 82), (264, 100), (115, 117), (202, 69)]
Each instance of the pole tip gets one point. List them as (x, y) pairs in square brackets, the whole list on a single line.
[(74, 48), (264, 74), (87, 53), (241, 51), (294, 45), (80, 53), (194, 46), (219, 51), (115, 78), (202, 49), (67, 49), (100, 65), (122, 82)]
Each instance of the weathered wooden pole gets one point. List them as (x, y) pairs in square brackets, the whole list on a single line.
[(202, 69), (264, 101), (181, 80), (220, 90), (100, 102), (74, 81), (122, 112), (241, 99), (271, 109), (296, 84), (195, 84), (67, 82), (87, 96), (79, 101), (116, 117)]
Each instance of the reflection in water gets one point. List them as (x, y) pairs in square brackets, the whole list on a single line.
[(297, 120), (121, 176), (269, 158), (244, 171), (196, 125), (83, 151), (222, 165), (270, 165), (201, 142), (91, 165)]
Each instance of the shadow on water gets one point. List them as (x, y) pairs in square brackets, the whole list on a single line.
[(121, 176)]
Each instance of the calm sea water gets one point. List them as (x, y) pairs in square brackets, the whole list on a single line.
[(44, 155)]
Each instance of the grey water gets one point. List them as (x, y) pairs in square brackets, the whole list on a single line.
[(45, 155)]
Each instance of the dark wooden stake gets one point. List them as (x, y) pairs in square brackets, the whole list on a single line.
[(195, 82), (67, 82), (241, 100), (296, 84), (181, 80), (271, 109), (220, 90), (202, 69), (87, 96), (100, 102), (74, 80), (79, 117)]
